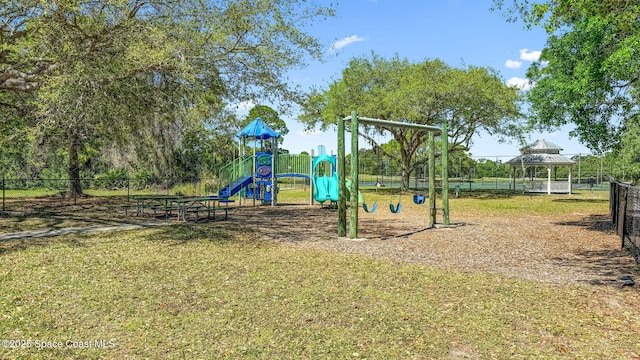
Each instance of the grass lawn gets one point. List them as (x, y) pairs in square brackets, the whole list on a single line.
[(199, 292)]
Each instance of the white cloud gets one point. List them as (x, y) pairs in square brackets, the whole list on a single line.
[(520, 83), (530, 55), (301, 80), (513, 64), (307, 133), (243, 106), (345, 42)]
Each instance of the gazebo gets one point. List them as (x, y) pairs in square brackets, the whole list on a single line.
[(541, 154)]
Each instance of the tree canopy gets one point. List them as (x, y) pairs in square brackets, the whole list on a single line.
[(588, 71), (122, 75), (431, 92)]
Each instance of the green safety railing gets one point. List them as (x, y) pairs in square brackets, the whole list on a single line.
[(299, 164), (235, 170)]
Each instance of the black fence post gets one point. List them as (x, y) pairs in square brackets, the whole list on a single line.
[(622, 214), (3, 195)]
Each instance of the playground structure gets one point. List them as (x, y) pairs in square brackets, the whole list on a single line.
[(255, 176), (353, 185)]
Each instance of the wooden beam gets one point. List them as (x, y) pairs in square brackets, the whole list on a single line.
[(353, 203), (395, 124)]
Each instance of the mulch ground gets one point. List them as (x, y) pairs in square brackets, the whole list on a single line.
[(568, 249)]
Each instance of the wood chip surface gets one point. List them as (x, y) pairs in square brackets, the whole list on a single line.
[(578, 248)]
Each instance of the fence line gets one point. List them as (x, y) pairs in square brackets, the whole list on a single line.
[(624, 203), (124, 187)]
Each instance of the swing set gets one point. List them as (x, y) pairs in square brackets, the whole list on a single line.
[(395, 209), (355, 121), (374, 206), (418, 199)]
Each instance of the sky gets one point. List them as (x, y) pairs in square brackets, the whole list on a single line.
[(458, 32)]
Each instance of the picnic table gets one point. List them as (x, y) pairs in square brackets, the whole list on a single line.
[(170, 205), (153, 202), (200, 205)]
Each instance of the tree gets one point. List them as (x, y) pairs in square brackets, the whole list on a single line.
[(628, 153), (588, 71), (468, 99), (461, 165), (120, 74)]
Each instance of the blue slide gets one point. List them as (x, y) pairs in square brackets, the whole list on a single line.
[(233, 188)]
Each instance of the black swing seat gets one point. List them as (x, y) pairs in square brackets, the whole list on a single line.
[(373, 207), (395, 209)]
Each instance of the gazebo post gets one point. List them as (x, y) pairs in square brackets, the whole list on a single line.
[(512, 178), (548, 180)]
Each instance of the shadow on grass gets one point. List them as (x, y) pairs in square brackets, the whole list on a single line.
[(57, 218), (8, 247), (607, 267), (208, 232), (494, 194), (587, 201), (283, 223), (600, 223), (51, 212)]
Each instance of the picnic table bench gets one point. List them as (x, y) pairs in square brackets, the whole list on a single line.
[(203, 207), (223, 205), (151, 202)]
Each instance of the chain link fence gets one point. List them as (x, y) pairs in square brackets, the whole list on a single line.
[(21, 190), (625, 214), (58, 189)]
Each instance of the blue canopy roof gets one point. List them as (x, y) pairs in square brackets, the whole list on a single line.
[(257, 129)]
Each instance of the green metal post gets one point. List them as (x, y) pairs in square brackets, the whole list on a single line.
[(432, 180), (342, 198), (353, 203), (445, 174)]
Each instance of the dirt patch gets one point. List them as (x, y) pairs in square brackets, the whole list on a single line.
[(568, 249), (577, 248)]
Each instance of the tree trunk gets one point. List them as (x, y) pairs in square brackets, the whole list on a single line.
[(406, 171), (75, 187)]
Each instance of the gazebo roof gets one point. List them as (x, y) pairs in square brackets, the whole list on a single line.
[(541, 159), (542, 146), (541, 153)]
